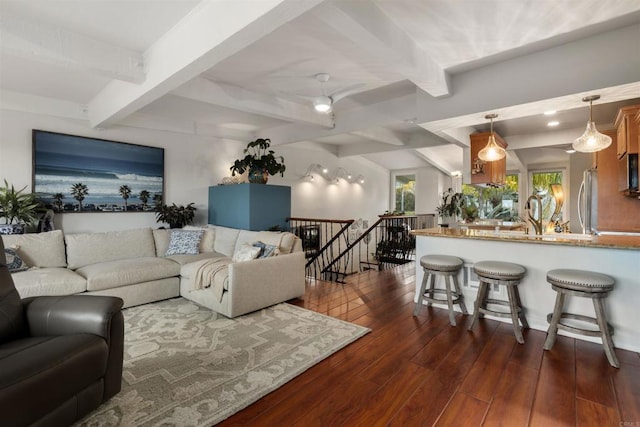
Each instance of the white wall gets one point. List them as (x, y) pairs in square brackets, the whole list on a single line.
[(192, 164), (324, 199)]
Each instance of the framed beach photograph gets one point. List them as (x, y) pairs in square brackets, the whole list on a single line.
[(79, 174)]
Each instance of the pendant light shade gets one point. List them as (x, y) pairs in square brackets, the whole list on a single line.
[(492, 151), (591, 140)]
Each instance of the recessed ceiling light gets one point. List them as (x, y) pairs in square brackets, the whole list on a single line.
[(549, 113), (570, 151), (553, 123)]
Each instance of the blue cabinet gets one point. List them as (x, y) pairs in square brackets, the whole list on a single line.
[(249, 206)]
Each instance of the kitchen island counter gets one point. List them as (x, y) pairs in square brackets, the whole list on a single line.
[(616, 256), (605, 241)]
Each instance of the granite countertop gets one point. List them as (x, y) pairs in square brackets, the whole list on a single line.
[(568, 239)]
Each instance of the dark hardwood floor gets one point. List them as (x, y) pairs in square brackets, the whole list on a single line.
[(419, 371)]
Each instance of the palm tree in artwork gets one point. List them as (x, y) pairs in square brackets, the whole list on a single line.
[(79, 191), (144, 198), (157, 200), (125, 192), (58, 199)]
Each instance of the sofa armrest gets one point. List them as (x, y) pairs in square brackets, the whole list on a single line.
[(262, 282), (71, 314), (77, 314)]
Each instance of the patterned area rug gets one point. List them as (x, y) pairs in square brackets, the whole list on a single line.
[(184, 366)]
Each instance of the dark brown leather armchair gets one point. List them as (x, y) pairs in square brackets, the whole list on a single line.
[(60, 357)]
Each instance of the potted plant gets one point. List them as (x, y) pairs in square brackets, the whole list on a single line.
[(259, 161), (450, 206), (174, 215), (17, 208)]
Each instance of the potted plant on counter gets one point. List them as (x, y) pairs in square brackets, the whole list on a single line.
[(174, 215), (259, 161), (18, 209), (450, 206)]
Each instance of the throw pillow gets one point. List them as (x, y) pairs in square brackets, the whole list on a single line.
[(184, 242), (14, 262), (246, 252), (266, 250)]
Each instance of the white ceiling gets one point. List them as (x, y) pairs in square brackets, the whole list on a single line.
[(420, 74)]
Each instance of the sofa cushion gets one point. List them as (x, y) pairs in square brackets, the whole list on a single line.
[(284, 241), (39, 249), (162, 237), (188, 271), (226, 239), (186, 259), (48, 281), (184, 242), (246, 252), (91, 248), (113, 274)]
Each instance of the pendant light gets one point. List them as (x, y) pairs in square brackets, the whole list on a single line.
[(492, 151), (591, 140)]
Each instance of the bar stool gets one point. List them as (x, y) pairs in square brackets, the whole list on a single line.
[(585, 284), (448, 267), (503, 274)]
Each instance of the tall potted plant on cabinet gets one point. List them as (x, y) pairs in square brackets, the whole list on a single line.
[(259, 161)]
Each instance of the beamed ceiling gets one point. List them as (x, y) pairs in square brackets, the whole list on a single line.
[(411, 79)]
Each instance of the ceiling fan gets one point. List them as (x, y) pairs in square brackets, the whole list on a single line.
[(324, 103)]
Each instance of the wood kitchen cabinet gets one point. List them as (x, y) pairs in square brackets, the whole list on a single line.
[(494, 173), (627, 130), (615, 211)]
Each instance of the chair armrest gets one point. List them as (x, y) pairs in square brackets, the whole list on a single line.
[(72, 314)]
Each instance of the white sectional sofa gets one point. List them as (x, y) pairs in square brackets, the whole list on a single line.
[(132, 265)]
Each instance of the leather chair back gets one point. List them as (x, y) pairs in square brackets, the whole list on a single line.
[(12, 321)]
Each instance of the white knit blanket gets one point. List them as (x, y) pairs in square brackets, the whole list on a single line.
[(214, 274)]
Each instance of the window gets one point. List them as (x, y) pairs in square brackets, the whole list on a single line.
[(405, 199), (541, 182), (492, 202)]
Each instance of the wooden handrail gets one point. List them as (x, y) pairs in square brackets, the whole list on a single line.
[(331, 221)]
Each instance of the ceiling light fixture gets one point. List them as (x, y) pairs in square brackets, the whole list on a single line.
[(549, 113), (591, 140), (553, 123), (323, 104), (492, 151)]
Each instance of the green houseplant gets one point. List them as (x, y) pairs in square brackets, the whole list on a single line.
[(259, 161), (451, 204), (17, 208), (174, 215)]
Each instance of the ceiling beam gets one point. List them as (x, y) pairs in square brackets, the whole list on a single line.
[(364, 23), (210, 33), (555, 78), (185, 126), (18, 101), (237, 98), (383, 135), (50, 44)]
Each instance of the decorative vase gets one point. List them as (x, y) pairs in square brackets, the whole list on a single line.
[(12, 229), (258, 176)]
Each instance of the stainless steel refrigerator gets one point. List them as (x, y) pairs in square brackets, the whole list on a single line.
[(588, 202)]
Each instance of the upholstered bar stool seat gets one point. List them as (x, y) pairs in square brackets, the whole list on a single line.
[(504, 274), (448, 267), (586, 284)]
